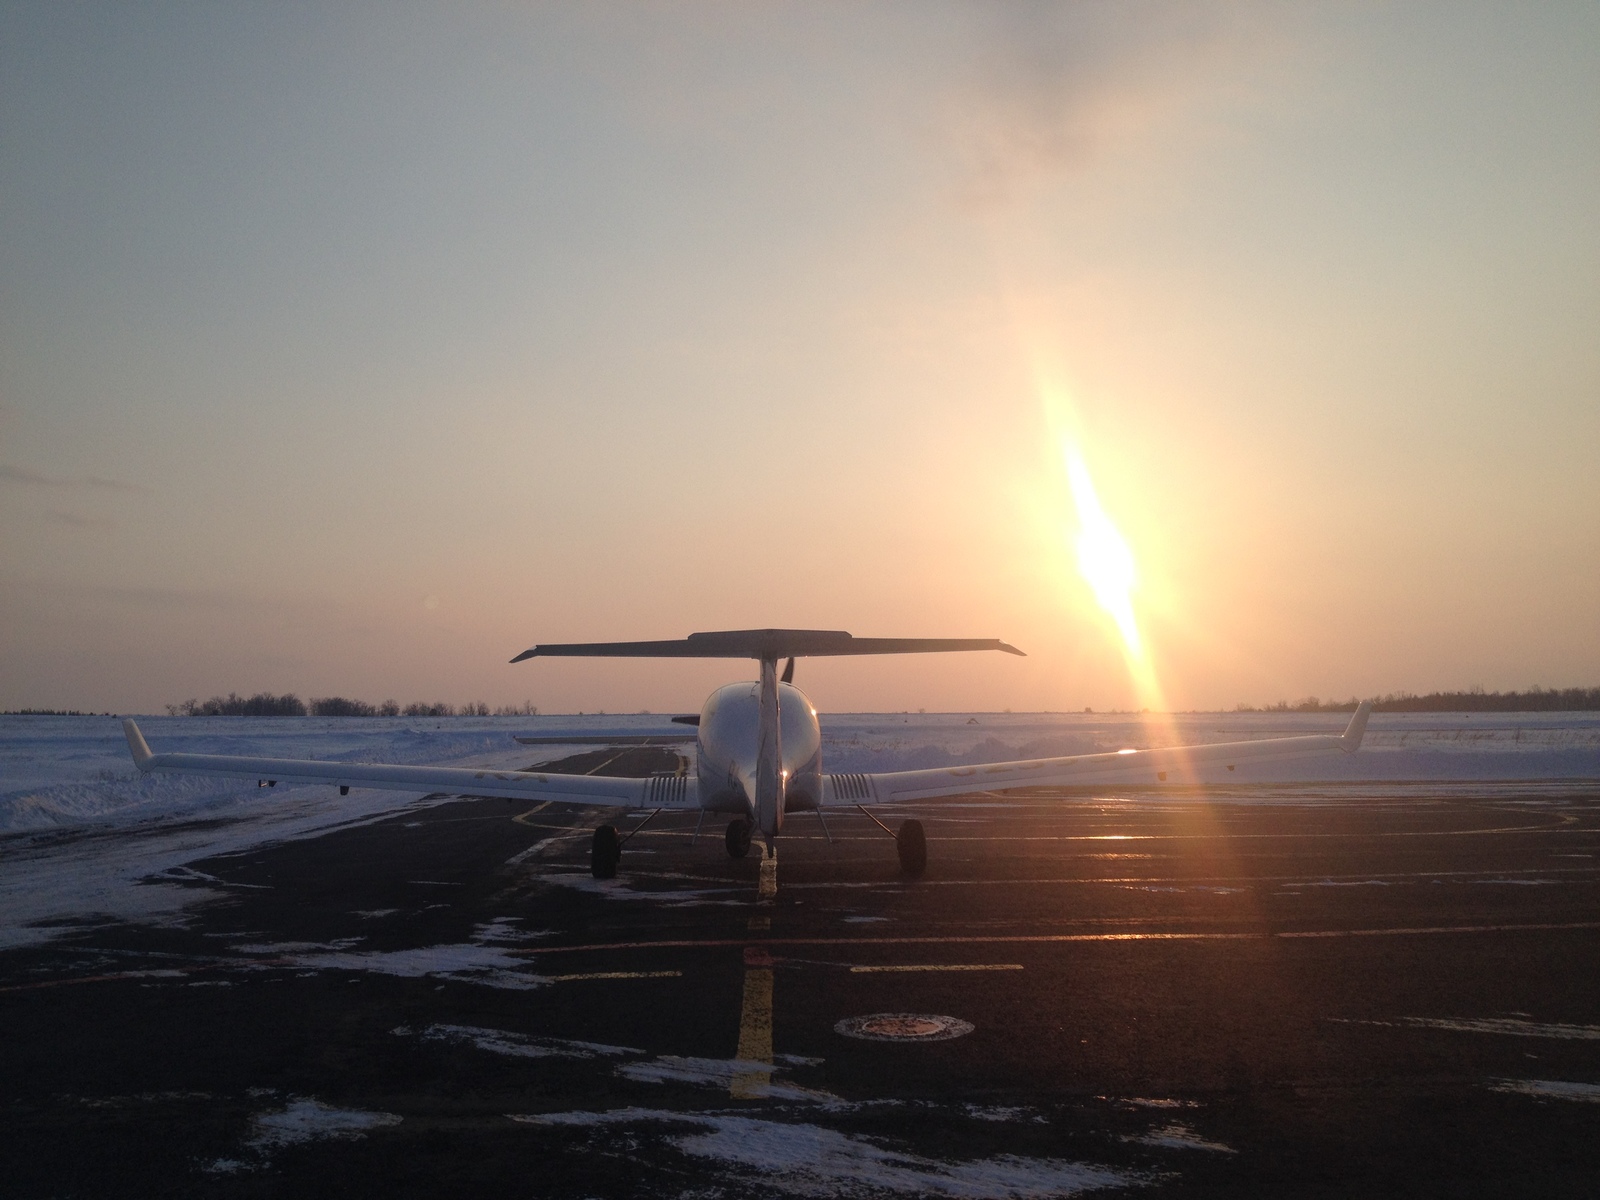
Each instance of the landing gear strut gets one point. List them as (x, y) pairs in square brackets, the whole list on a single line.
[(605, 852), (738, 838), (912, 844)]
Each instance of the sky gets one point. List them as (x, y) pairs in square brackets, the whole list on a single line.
[(352, 349)]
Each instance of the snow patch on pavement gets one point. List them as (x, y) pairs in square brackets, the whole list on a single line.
[(794, 1159), (301, 1120), (309, 1120), (517, 1045), (720, 1073), (1179, 1137), (1550, 1089), (465, 962)]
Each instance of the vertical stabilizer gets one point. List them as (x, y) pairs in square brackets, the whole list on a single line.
[(769, 754)]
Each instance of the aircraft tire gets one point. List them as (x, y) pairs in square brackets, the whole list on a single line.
[(605, 852), (912, 843), (738, 837)]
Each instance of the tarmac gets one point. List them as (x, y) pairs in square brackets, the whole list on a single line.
[(1362, 990)]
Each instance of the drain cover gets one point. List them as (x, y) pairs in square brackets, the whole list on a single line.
[(903, 1027)]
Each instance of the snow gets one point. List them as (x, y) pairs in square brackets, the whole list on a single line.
[(517, 1045), (1179, 1137), (797, 1159), (1550, 1089), (464, 962), (308, 1120)]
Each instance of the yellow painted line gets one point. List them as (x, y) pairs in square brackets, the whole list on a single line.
[(522, 818), (767, 888), (615, 975), (937, 967), (755, 1029)]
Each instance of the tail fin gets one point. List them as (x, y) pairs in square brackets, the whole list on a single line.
[(1350, 740), (137, 744)]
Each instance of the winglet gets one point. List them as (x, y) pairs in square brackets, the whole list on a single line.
[(136, 743), (1350, 740)]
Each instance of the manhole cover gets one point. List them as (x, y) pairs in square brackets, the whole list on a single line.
[(903, 1027)]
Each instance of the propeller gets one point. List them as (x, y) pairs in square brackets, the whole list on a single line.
[(788, 671)]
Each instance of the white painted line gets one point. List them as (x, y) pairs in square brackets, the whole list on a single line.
[(1576, 873), (616, 975), (936, 967)]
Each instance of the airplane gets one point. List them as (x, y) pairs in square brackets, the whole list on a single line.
[(759, 752)]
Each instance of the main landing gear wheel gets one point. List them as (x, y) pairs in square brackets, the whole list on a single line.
[(605, 852), (913, 846), (738, 837)]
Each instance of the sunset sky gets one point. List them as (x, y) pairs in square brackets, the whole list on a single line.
[(352, 349)]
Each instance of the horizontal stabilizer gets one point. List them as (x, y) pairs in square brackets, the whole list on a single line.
[(764, 644)]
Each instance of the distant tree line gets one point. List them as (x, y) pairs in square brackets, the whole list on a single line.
[(49, 712), (265, 704), (1535, 699)]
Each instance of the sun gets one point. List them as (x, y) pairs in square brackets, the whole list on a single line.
[(1104, 558)]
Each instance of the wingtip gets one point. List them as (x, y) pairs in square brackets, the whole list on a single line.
[(1350, 740), (136, 743), (526, 654), (1010, 649)]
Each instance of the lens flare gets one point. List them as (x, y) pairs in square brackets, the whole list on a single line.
[(1104, 559)]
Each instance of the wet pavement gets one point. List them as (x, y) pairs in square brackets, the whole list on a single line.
[(1357, 991)]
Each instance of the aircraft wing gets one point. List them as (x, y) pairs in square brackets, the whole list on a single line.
[(1135, 766), (593, 791)]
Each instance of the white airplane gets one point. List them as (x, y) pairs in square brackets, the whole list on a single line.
[(759, 752)]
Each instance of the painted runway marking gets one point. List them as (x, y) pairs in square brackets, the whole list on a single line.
[(1428, 929), (1235, 836), (1550, 1089), (755, 1027), (524, 855), (1502, 1025), (767, 888), (1050, 938), (615, 975), (1197, 879), (884, 970)]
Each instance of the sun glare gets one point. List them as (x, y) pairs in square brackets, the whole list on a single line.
[(1104, 558)]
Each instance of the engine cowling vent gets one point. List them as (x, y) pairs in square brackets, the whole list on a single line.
[(851, 788), (666, 791)]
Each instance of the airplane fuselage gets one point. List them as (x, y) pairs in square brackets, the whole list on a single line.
[(729, 755)]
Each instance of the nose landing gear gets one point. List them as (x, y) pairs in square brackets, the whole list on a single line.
[(738, 837)]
